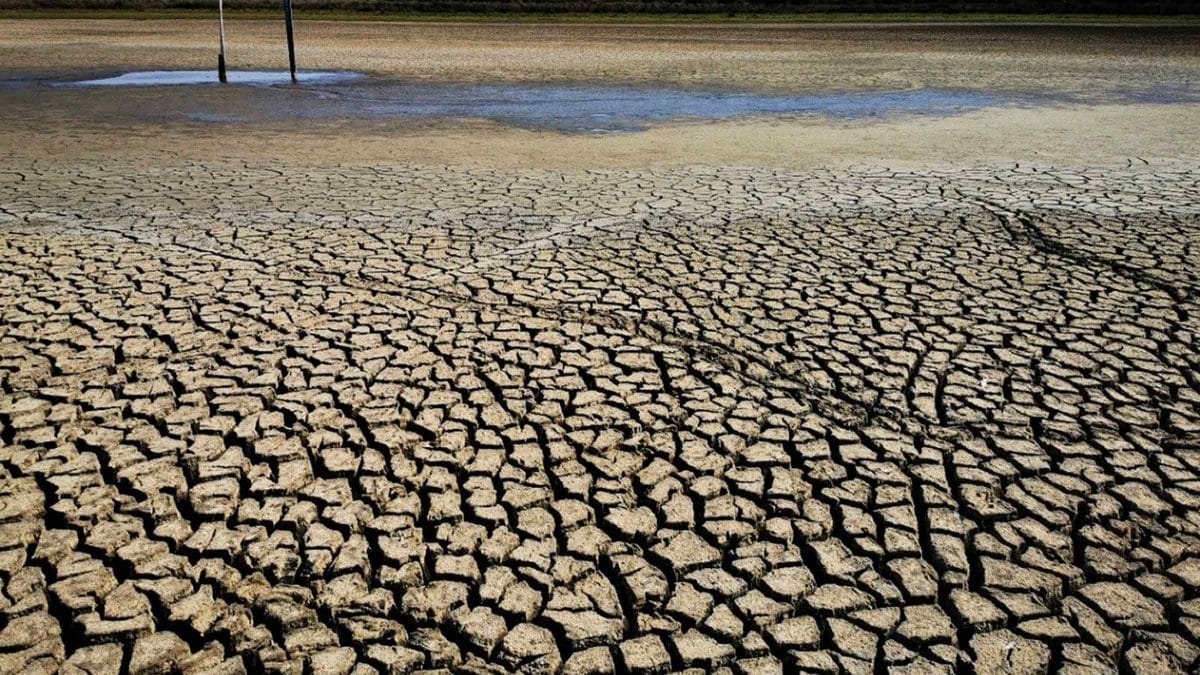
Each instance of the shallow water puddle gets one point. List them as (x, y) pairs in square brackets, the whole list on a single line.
[(625, 108)]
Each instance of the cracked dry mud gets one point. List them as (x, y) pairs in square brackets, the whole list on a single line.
[(382, 420)]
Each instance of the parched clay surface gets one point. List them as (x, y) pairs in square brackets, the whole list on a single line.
[(390, 419)]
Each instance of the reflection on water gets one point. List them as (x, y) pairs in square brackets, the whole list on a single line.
[(150, 78), (564, 107)]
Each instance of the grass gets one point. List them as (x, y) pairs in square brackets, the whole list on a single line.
[(584, 18)]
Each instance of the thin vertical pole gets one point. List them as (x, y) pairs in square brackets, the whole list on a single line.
[(221, 55), (287, 17)]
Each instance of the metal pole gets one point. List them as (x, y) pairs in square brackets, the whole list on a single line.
[(287, 17), (221, 55)]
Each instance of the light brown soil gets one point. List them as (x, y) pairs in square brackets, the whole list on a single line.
[(791, 58)]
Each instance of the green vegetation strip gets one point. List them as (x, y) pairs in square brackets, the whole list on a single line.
[(600, 18)]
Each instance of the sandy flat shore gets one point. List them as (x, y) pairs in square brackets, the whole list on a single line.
[(1087, 64)]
